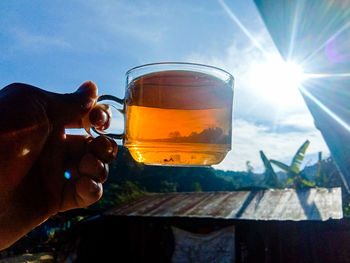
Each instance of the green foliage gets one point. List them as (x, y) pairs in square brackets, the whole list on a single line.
[(250, 168), (327, 174), (319, 156), (129, 180), (165, 178), (197, 187), (319, 165), (119, 194), (289, 180), (299, 157), (346, 204), (294, 177), (270, 179), (167, 187), (308, 183), (281, 165), (158, 179)]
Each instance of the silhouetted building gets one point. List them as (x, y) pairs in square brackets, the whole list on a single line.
[(267, 226)]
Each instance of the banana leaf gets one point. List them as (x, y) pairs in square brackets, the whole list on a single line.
[(283, 166), (299, 157), (289, 180), (291, 176), (270, 179), (308, 183), (267, 164)]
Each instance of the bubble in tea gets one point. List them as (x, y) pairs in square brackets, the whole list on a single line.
[(178, 118)]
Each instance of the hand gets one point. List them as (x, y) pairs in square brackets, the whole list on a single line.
[(37, 157)]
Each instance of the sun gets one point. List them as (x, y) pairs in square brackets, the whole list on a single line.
[(276, 80)]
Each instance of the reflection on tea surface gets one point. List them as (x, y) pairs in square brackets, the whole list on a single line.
[(178, 118)]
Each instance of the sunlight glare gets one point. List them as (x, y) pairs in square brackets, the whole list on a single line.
[(241, 26), (278, 81)]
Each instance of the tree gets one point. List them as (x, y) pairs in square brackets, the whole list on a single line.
[(197, 187), (327, 174), (320, 176), (167, 187), (294, 177), (119, 194), (250, 168)]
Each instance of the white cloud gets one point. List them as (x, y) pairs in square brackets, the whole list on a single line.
[(301, 121), (35, 41), (249, 139)]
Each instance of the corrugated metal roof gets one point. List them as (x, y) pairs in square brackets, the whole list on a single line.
[(286, 204)]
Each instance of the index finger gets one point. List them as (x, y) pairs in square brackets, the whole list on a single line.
[(98, 117)]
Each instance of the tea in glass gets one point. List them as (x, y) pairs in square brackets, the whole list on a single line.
[(178, 118)]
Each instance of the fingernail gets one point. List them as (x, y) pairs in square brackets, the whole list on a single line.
[(83, 87), (94, 187), (99, 118), (89, 88), (88, 93)]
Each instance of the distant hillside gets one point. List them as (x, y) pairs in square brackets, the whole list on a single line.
[(129, 179), (155, 178)]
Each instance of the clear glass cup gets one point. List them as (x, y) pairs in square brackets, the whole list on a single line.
[(176, 114)]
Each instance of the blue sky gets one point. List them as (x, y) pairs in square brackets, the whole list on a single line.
[(57, 45)]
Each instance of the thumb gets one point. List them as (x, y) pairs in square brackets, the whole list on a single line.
[(67, 110)]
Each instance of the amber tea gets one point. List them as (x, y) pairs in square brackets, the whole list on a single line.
[(178, 118)]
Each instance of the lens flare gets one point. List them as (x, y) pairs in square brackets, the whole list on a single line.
[(67, 175)]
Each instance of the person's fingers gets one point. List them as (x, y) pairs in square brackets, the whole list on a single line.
[(92, 167), (87, 191), (76, 146), (103, 148), (83, 184), (71, 109), (68, 110), (80, 193), (100, 117)]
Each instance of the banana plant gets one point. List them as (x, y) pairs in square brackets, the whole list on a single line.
[(271, 179), (294, 177), (322, 178), (319, 163)]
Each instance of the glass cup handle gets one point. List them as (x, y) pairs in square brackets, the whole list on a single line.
[(117, 100)]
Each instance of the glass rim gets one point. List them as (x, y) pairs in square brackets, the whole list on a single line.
[(180, 63)]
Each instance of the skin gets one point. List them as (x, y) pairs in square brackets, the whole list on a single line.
[(35, 153)]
